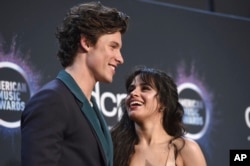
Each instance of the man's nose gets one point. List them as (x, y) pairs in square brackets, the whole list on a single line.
[(119, 58)]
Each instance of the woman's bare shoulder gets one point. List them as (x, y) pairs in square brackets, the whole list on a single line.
[(190, 152)]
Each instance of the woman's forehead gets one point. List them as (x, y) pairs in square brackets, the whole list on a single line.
[(140, 80)]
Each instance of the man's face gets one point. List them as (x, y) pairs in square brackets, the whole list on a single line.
[(105, 56)]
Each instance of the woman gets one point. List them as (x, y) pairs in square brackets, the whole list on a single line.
[(151, 132)]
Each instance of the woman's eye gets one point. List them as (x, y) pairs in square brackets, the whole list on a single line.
[(146, 88), (130, 89)]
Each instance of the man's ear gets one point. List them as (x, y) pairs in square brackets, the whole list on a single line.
[(84, 43)]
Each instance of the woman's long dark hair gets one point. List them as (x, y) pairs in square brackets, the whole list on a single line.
[(123, 133)]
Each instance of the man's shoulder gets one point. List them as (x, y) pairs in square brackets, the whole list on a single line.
[(52, 89), (54, 85)]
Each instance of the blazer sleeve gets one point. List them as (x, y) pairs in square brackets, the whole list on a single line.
[(42, 125)]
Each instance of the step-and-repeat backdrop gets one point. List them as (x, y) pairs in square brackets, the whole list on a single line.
[(207, 54)]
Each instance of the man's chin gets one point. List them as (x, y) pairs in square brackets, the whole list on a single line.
[(107, 80)]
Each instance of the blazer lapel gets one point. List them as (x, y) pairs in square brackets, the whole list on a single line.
[(94, 116)]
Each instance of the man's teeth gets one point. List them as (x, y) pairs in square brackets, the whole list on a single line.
[(113, 67)]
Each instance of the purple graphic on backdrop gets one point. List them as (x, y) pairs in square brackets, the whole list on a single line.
[(18, 82), (198, 107)]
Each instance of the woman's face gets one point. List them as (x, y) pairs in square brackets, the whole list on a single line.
[(142, 102)]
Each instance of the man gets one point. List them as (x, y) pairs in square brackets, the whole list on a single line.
[(61, 124)]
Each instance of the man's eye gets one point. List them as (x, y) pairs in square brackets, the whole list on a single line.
[(113, 46)]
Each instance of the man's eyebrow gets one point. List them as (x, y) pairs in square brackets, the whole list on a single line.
[(116, 43)]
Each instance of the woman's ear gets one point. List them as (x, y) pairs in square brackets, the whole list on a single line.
[(162, 108)]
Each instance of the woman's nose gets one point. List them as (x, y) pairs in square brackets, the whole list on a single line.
[(134, 92)]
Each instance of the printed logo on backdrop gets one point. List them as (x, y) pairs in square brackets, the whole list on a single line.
[(17, 84), (109, 104), (197, 103), (247, 120), (196, 110)]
